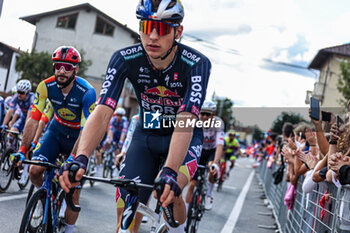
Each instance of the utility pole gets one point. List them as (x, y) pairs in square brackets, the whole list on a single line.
[(1, 2)]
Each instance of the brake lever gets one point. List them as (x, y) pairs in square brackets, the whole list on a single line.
[(69, 196)]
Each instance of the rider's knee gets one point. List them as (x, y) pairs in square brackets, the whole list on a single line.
[(35, 172)]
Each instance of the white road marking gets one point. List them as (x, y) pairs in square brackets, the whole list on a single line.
[(233, 218), (13, 197)]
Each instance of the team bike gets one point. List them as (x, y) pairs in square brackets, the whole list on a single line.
[(196, 207), (45, 210), (132, 204), (10, 142)]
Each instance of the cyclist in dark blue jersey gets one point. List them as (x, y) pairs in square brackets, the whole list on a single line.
[(72, 99), (170, 81)]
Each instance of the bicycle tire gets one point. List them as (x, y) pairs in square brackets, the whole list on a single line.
[(38, 197), (192, 218), (6, 170), (30, 193), (163, 229)]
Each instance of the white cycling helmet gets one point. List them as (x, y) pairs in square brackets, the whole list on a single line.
[(120, 111), (170, 10), (24, 85), (208, 106)]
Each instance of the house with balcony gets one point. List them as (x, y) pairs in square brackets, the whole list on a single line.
[(327, 62), (91, 30)]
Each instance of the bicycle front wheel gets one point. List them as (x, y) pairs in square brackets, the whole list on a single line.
[(33, 218), (6, 170)]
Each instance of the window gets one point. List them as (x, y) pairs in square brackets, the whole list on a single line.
[(102, 27), (67, 21)]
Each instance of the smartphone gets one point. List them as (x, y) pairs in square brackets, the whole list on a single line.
[(326, 116), (339, 121), (315, 108)]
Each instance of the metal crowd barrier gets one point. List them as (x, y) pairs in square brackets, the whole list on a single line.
[(307, 214)]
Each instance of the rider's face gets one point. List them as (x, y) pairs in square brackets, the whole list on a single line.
[(63, 75), (157, 46)]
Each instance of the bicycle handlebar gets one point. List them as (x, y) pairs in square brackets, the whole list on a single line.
[(43, 164), (127, 184)]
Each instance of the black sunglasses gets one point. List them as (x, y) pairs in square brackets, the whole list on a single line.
[(206, 114), (21, 92)]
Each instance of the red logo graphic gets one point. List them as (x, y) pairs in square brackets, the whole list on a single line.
[(161, 91), (111, 103), (181, 108), (192, 167), (195, 110), (176, 76)]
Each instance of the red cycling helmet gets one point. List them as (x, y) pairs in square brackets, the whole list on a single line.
[(66, 54)]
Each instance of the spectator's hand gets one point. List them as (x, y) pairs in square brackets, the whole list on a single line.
[(337, 160), (292, 145), (308, 158), (287, 153), (333, 119), (334, 133), (310, 137), (316, 122)]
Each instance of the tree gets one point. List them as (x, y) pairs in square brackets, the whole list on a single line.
[(224, 110), (286, 117), (38, 66), (258, 134), (343, 84)]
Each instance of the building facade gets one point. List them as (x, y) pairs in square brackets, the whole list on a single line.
[(327, 62), (8, 74), (87, 29)]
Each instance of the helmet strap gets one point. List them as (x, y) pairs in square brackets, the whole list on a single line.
[(171, 49)]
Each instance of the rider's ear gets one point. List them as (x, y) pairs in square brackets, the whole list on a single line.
[(178, 32)]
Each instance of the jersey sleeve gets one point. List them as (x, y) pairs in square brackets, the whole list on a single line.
[(89, 101), (114, 81), (48, 113), (39, 101), (13, 104), (197, 86), (131, 130), (125, 126)]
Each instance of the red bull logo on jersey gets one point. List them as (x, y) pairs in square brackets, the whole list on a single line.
[(161, 100), (66, 114), (161, 91)]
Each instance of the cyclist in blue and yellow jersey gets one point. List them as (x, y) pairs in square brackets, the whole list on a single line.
[(23, 100), (232, 149), (72, 99), (170, 81)]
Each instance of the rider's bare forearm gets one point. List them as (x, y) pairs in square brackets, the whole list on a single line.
[(94, 129), (8, 116), (218, 153), (29, 132), (180, 141)]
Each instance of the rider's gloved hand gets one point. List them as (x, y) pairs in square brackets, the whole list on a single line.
[(81, 161), (120, 145), (33, 144), (17, 157), (3, 127), (168, 177)]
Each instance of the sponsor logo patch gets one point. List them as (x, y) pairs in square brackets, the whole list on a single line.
[(111, 103)]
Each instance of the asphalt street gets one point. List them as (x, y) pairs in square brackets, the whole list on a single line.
[(237, 208)]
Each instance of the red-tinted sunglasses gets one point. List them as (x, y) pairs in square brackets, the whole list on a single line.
[(66, 66), (163, 28)]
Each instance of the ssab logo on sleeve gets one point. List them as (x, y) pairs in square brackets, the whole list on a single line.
[(151, 120)]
